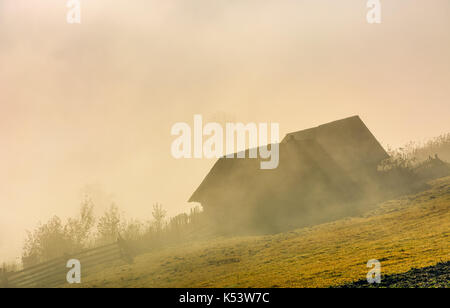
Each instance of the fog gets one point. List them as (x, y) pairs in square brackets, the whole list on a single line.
[(89, 107)]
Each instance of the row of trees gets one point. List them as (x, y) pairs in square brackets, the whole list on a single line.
[(408, 168), (414, 153), (56, 238)]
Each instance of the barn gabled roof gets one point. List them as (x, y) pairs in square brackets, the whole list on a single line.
[(346, 144), (348, 141)]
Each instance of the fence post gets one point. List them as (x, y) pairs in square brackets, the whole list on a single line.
[(3, 278), (125, 250)]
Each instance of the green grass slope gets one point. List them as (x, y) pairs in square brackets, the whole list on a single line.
[(410, 232)]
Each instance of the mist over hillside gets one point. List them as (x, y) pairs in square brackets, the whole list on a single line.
[(101, 221), (84, 106), (89, 114)]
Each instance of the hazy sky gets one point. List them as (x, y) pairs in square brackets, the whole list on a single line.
[(91, 105)]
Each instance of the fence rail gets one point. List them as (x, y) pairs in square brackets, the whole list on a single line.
[(53, 273)]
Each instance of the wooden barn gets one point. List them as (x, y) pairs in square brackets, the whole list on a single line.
[(323, 173)]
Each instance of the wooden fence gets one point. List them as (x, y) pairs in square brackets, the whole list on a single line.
[(53, 273)]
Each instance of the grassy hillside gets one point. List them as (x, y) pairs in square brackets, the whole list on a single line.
[(410, 232)]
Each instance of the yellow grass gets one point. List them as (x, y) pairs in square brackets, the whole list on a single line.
[(413, 231)]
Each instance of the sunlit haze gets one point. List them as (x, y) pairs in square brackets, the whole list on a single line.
[(89, 107)]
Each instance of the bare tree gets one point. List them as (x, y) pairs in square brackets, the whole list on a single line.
[(46, 242), (79, 229), (109, 225), (159, 215)]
